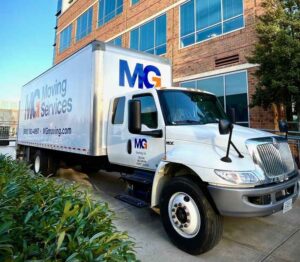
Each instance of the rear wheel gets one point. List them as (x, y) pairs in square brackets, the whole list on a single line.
[(188, 217), (43, 163)]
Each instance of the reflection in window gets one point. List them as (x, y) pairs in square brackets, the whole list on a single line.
[(150, 37), (148, 109), (84, 24), (231, 90), (65, 38), (204, 19), (108, 9)]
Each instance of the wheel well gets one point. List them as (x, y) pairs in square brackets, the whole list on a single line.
[(174, 170), (171, 170)]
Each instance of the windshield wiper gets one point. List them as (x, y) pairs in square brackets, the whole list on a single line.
[(181, 122)]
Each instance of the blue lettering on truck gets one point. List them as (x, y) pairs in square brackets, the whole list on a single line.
[(140, 72), (48, 100), (140, 143)]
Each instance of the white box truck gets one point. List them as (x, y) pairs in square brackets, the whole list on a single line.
[(112, 108)]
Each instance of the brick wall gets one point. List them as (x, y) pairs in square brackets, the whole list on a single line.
[(203, 56)]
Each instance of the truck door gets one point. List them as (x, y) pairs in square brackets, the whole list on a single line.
[(140, 151)]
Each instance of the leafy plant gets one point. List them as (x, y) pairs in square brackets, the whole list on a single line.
[(42, 220)]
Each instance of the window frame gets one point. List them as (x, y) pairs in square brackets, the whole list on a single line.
[(180, 46), (224, 89), (88, 33), (151, 95), (60, 38), (154, 34), (115, 13)]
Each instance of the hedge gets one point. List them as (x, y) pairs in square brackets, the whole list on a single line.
[(42, 220)]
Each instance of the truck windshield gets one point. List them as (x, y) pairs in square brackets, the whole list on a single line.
[(190, 108)]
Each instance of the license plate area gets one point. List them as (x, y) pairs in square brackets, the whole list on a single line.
[(287, 205)]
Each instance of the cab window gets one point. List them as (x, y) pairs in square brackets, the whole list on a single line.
[(148, 110), (118, 110)]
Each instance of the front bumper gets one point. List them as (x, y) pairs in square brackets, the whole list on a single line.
[(251, 202)]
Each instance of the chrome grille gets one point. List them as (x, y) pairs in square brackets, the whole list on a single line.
[(276, 158)]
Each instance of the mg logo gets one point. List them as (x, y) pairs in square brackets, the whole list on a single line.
[(140, 143), (32, 107), (141, 73)]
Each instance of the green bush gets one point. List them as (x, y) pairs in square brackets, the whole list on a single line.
[(46, 221)]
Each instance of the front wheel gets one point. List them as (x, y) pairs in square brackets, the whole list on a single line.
[(188, 217)]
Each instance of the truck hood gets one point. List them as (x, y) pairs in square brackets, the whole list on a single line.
[(209, 134)]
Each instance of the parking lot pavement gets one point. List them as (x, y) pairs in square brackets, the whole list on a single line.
[(9, 150), (273, 238)]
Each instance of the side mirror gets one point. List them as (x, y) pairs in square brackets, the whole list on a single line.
[(283, 126), (134, 117), (225, 126)]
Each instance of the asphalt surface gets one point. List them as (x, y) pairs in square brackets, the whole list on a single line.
[(273, 238)]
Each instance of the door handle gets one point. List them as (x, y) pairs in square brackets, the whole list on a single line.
[(129, 147)]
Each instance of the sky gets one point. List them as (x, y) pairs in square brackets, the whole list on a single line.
[(26, 42)]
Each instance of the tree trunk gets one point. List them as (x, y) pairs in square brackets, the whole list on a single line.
[(279, 114)]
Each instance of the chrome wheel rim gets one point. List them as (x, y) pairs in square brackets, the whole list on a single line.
[(184, 215), (37, 164)]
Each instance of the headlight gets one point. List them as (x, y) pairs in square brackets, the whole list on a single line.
[(238, 178)]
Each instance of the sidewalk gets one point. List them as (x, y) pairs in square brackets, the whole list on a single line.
[(273, 238)]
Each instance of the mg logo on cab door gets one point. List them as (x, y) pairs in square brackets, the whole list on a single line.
[(140, 143), (140, 73)]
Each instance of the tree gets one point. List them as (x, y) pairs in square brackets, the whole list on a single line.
[(278, 55)]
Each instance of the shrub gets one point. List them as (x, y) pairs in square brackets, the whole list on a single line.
[(46, 221)]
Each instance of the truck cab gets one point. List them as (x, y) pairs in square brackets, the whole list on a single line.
[(176, 134)]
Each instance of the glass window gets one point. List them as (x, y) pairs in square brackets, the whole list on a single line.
[(208, 13), (190, 108), (191, 84), (108, 9), (117, 41), (59, 7), (133, 2), (146, 37), (84, 24), (204, 19), (150, 37), (65, 38), (149, 111), (231, 90), (236, 96), (187, 21), (118, 110), (232, 8), (214, 85)]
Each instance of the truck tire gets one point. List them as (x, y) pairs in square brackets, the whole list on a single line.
[(43, 163), (188, 217)]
